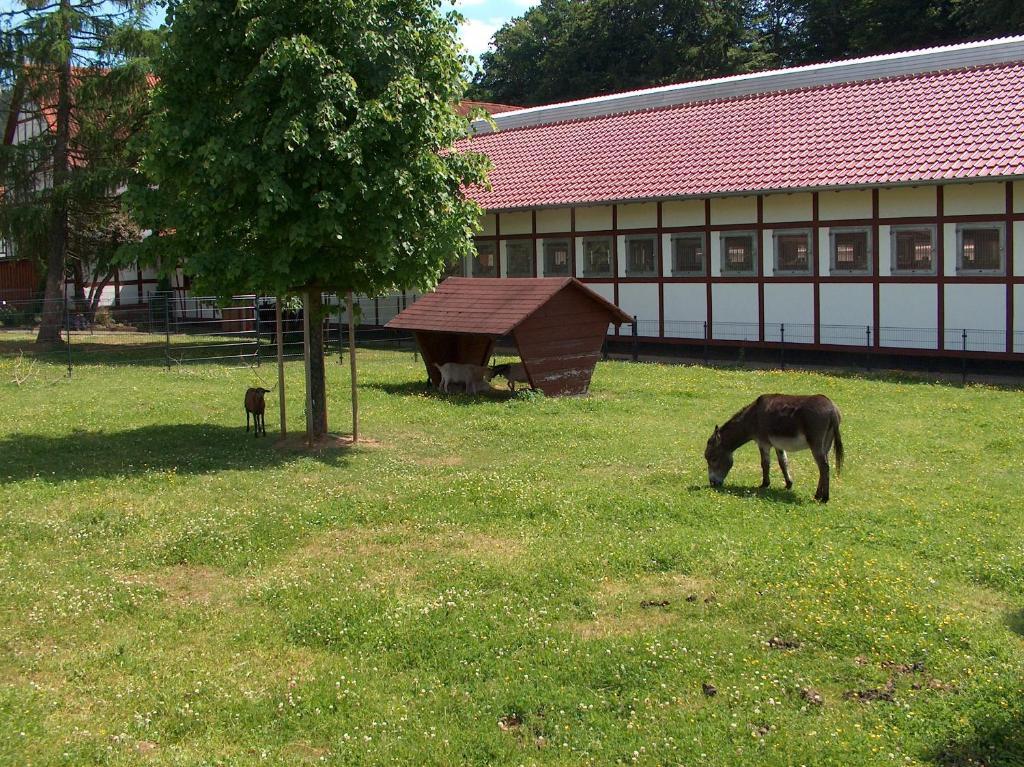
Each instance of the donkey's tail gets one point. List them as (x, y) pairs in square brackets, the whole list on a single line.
[(838, 442)]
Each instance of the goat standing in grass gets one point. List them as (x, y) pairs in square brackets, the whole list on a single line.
[(474, 377), (256, 405)]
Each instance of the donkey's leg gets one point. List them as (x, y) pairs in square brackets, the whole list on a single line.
[(766, 463), (821, 494), (247, 421), (784, 465)]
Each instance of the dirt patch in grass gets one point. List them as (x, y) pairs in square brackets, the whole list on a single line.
[(650, 602), (300, 751), (192, 585)]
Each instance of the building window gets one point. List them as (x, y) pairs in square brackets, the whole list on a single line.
[(557, 259), (739, 253), (455, 269), (793, 252), (597, 257), (485, 264), (913, 250), (687, 254), (5, 250), (519, 254), (980, 249), (641, 254), (851, 251)]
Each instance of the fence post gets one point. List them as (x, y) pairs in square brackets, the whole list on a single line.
[(782, 344), (341, 336), (167, 332), (604, 348), (256, 314), (963, 360), (636, 342), (706, 342), (867, 356), (67, 325)]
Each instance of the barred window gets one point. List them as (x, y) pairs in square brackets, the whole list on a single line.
[(981, 249), (687, 254), (793, 252), (851, 251), (597, 257), (520, 258), (913, 250), (641, 255), (485, 264), (557, 259), (739, 253)]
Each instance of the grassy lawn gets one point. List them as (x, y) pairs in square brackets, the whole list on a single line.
[(504, 581)]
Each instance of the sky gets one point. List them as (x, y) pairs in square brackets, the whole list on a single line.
[(484, 17)]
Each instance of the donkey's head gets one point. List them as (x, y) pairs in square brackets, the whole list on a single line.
[(719, 459)]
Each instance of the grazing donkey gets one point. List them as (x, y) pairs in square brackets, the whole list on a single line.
[(257, 406), (784, 422)]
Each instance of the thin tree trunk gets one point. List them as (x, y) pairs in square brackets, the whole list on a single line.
[(352, 367), (316, 379), (280, 366), (49, 328)]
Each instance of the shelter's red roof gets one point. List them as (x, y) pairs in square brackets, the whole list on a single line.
[(955, 124), (490, 307)]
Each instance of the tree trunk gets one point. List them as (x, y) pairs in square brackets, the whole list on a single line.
[(53, 303), (316, 379)]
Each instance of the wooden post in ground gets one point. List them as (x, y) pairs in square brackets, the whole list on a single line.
[(280, 367), (352, 366), (305, 353)]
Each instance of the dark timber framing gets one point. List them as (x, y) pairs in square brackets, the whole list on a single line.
[(816, 279)]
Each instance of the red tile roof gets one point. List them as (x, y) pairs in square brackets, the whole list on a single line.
[(490, 307), (958, 124)]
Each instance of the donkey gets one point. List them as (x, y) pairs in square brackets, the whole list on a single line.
[(784, 422), (257, 406)]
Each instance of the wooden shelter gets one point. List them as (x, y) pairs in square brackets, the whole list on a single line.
[(557, 324)]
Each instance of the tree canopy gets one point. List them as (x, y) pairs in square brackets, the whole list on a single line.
[(306, 146), (567, 49)]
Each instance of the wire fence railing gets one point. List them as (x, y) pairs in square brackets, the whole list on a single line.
[(174, 329)]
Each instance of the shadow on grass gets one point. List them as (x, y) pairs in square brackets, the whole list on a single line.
[(1015, 622), (423, 389), (997, 743), (772, 494), (182, 448)]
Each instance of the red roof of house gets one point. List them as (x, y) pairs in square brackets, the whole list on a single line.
[(481, 306), (957, 124)]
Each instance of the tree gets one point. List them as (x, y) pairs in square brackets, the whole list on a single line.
[(300, 146), (69, 65)]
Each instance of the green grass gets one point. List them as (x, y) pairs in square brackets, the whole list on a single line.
[(469, 589)]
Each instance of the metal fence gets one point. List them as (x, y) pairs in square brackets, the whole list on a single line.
[(175, 329)]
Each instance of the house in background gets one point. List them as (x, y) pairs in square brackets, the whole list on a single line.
[(877, 201)]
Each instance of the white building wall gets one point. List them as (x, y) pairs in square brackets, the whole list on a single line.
[(948, 235), (728, 211), (594, 219), (554, 220), (767, 252), (517, 223), (488, 226), (791, 304), (683, 213), (824, 251), (884, 247), (980, 308), (908, 315), (788, 207), (640, 301), (973, 199), (1018, 196), (1018, 248), (735, 311), (686, 309), (849, 305), (835, 206), (1018, 318), (904, 201), (638, 216)]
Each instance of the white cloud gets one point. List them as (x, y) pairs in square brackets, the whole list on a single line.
[(477, 34)]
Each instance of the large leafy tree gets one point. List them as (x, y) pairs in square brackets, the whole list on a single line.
[(566, 49), (76, 72), (301, 146)]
